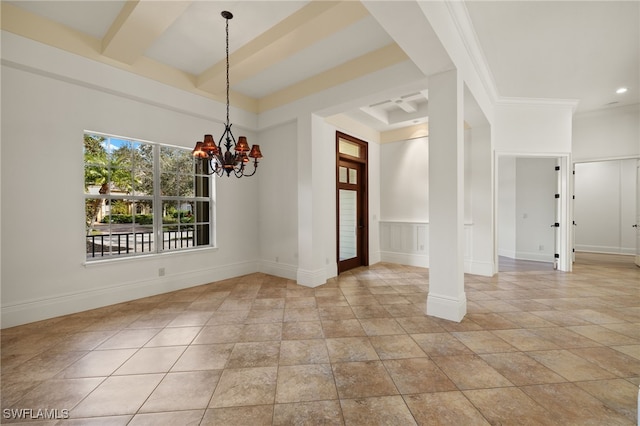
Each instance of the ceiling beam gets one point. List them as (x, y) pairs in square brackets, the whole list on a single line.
[(379, 114), (138, 25), (405, 133), (406, 106), (314, 22), (350, 70)]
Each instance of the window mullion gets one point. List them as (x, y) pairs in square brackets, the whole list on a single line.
[(157, 200)]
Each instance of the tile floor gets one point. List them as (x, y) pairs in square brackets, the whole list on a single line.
[(536, 347)]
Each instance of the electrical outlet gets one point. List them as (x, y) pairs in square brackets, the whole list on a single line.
[(161, 272)]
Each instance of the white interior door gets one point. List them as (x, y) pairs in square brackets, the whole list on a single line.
[(556, 225), (573, 212)]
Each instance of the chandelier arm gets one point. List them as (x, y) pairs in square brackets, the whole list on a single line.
[(211, 170), (217, 162), (255, 168)]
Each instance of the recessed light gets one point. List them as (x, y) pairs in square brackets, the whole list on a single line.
[(621, 90)]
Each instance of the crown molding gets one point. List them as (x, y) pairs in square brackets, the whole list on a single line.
[(460, 16), (541, 102)]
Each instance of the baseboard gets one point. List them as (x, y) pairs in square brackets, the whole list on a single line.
[(485, 269), (374, 257), (421, 260), (606, 249), (331, 270), (309, 278), (69, 303), (511, 254), (534, 256), (278, 269), (291, 272), (445, 307)]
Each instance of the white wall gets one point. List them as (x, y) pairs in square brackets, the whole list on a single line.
[(482, 203), (43, 248), (507, 207), (375, 202), (404, 202), (404, 181), (536, 184), (607, 134), (278, 201), (605, 206), (532, 128)]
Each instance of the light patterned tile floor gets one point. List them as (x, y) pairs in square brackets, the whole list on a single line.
[(537, 346)]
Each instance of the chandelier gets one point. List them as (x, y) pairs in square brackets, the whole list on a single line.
[(236, 153)]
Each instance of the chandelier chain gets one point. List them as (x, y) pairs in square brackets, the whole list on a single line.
[(227, 30)]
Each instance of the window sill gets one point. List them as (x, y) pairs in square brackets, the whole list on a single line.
[(146, 257)]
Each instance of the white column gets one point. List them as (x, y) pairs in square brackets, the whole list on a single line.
[(446, 297), (311, 260)]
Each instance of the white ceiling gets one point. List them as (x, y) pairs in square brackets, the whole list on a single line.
[(562, 49), (581, 50)]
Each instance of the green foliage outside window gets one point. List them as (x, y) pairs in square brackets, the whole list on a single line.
[(125, 181)]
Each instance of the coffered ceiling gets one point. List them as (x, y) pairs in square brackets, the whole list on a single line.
[(283, 50)]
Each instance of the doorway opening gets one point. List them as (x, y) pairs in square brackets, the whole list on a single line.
[(533, 212), (352, 233)]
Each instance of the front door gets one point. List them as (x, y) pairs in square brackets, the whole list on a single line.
[(351, 201)]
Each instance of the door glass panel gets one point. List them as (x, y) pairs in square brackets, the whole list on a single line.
[(353, 176), (342, 175), (349, 148), (348, 223)]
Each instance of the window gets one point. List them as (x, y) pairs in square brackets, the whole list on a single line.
[(143, 198), (349, 148)]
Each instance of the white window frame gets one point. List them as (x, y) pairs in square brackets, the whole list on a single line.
[(157, 200)]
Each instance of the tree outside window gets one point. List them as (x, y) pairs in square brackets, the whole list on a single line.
[(124, 180)]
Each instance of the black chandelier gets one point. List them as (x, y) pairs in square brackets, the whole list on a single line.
[(227, 162)]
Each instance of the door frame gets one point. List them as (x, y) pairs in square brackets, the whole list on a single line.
[(363, 207), (564, 213), (615, 158)]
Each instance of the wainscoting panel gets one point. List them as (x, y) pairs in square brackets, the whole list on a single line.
[(407, 243)]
